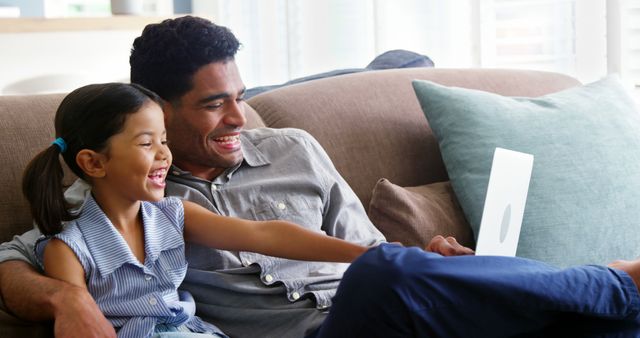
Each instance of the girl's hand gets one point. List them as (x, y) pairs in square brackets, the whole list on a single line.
[(447, 247)]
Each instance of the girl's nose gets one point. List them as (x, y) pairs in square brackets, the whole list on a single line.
[(163, 153)]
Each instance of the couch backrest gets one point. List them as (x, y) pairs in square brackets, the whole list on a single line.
[(371, 124), (26, 128)]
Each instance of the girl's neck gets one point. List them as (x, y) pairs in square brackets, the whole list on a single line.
[(124, 215)]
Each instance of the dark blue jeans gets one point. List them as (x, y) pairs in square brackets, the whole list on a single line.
[(392, 291)]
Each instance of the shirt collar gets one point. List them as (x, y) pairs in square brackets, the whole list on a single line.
[(160, 233), (252, 155), (76, 195), (107, 247)]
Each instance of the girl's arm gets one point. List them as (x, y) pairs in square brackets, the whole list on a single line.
[(273, 238), (61, 263), (79, 316)]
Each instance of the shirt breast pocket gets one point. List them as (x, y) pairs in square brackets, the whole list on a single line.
[(171, 264), (303, 211)]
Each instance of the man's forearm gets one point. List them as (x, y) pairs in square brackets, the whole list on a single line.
[(32, 296), (29, 294)]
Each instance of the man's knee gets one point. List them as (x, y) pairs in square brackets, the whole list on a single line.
[(375, 289), (387, 266)]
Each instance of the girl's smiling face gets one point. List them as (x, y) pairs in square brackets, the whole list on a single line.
[(137, 159)]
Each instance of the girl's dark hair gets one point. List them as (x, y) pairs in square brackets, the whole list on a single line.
[(85, 119)]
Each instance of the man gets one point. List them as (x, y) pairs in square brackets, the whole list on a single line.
[(266, 174)]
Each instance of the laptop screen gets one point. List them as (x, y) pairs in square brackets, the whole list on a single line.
[(505, 202)]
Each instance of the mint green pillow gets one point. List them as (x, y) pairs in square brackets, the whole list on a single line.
[(583, 205)]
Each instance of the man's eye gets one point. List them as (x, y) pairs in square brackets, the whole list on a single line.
[(213, 106)]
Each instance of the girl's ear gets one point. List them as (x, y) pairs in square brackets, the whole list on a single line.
[(91, 162)]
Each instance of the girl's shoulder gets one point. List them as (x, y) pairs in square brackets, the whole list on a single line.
[(167, 202), (72, 236), (70, 233), (170, 207)]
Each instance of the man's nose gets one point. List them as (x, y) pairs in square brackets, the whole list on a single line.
[(235, 115)]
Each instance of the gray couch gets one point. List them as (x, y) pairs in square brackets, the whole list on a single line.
[(370, 124)]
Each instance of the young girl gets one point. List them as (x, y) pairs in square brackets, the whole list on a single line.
[(127, 245)]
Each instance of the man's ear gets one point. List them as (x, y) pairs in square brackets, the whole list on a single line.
[(91, 162), (167, 110)]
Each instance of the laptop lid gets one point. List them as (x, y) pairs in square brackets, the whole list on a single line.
[(504, 204)]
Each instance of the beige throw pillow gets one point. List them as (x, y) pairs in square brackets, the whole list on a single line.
[(414, 215)]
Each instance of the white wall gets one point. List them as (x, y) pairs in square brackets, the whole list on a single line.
[(64, 60)]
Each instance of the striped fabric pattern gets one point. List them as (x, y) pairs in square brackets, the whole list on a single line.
[(135, 296)]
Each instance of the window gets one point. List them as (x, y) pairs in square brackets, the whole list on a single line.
[(528, 34), (284, 39), (624, 41)]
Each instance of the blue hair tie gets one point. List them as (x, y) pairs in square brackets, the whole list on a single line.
[(61, 144)]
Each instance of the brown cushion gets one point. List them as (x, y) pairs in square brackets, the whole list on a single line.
[(413, 215)]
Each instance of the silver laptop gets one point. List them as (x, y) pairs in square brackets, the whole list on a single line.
[(504, 204)]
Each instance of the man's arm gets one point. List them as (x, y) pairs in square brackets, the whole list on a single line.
[(35, 297), (344, 215), (346, 218), (32, 296)]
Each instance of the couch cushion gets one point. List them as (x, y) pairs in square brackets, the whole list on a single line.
[(585, 187), (26, 128), (370, 123), (413, 215)]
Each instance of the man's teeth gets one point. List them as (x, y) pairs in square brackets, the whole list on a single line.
[(227, 139)]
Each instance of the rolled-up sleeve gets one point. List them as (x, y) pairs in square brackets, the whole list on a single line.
[(21, 248), (344, 215)]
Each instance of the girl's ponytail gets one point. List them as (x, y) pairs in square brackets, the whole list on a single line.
[(42, 186)]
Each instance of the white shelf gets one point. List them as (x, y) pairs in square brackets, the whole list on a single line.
[(42, 25)]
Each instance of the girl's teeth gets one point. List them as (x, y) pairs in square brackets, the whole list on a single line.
[(157, 173)]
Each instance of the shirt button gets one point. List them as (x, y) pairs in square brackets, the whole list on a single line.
[(281, 206), (147, 277), (268, 278), (295, 296), (153, 301), (214, 187)]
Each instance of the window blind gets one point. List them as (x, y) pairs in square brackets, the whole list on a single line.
[(630, 41)]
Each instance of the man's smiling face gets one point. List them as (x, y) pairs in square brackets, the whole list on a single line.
[(203, 126)]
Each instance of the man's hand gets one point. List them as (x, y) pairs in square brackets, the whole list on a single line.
[(447, 247), (79, 315)]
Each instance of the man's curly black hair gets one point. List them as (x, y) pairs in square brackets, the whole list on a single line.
[(167, 55)]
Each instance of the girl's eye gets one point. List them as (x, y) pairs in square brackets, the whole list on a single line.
[(145, 144)]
